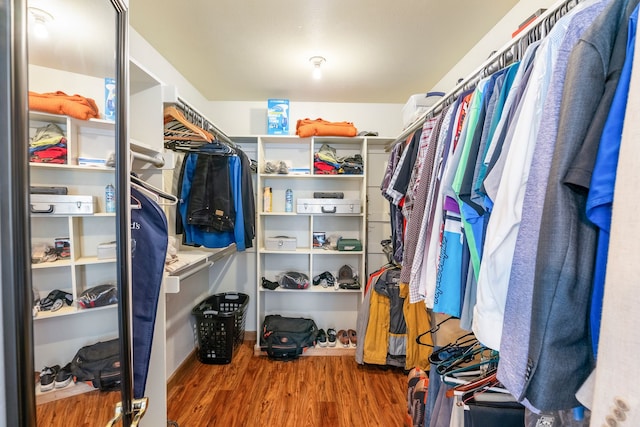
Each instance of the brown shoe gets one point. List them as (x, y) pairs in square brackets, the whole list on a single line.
[(353, 338), (343, 337)]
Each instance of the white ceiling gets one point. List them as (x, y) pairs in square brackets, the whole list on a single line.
[(251, 50), (376, 50)]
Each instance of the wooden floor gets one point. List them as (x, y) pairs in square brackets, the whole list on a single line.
[(331, 391)]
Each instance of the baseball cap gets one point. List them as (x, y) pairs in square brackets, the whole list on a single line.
[(345, 275)]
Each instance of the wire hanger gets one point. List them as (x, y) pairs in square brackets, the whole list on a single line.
[(433, 330), (156, 193)]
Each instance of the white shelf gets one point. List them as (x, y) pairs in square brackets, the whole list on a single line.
[(314, 289), (324, 305), (192, 262), (59, 334), (71, 311), (338, 350)]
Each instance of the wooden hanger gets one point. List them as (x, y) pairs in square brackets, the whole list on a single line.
[(171, 113)]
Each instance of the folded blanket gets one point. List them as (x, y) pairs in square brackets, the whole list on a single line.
[(319, 127), (58, 102)]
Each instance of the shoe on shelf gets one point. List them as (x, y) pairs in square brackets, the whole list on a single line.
[(64, 377), (353, 338), (331, 337), (48, 377), (343, 337), (322, 338)]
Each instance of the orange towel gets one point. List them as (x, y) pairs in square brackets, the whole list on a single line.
[(319, 127), (58, 102)]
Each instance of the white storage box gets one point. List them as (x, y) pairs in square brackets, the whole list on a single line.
[(417, 105), (106, 250), (328, 206), (60, 204), (280, 243)]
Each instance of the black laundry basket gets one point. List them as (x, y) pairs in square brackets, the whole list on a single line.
[(219, 326)]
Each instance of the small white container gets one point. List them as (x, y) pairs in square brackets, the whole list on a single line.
[(280, 243), (417, 105)]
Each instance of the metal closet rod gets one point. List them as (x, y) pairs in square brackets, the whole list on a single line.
[(511, 52), (198, 119)]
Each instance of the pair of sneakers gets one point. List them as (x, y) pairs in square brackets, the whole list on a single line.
[(347, 338), (55, 377), (327, 338)]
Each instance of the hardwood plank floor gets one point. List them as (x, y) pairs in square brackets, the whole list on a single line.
[(331, 391)]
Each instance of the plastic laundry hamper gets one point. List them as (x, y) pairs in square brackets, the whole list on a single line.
[(219, 326)]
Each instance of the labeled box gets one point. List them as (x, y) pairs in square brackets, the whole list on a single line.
[(109, 99), (278, 116)]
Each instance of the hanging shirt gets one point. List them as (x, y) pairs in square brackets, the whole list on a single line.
[(502, 230), (566, 246), (603, 179), (514, 343)]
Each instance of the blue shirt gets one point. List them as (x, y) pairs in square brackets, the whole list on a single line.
[(603, 180)]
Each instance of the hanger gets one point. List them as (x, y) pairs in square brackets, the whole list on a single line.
[(452, 349), (135, 203), (156, 193), (432, 331), (171, 113), (458, 363)]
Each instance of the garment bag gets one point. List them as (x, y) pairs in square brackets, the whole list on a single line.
[(149, 240)]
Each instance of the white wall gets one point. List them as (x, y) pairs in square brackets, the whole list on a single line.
[(250, 118), (494, 40), (45, 80)]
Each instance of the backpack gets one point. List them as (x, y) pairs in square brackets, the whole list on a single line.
[(285, 338), (99, 364)]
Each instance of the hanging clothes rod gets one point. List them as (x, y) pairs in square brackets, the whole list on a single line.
[(198, 119), (511, 52)]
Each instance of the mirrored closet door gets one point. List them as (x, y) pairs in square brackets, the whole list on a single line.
[(79, 197)]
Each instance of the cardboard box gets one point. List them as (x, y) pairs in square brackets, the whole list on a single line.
[(109, 98), (278, 117)]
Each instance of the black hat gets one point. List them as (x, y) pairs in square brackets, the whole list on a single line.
[(345, 275)]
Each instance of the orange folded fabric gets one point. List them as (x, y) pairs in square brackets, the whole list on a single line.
[(319, 127), (58, 102)]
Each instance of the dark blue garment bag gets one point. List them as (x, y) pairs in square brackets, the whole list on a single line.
[(149, 240)]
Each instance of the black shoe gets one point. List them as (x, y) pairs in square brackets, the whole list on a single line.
[(64, 377), (322, 338), (48, 377), (331, 337)]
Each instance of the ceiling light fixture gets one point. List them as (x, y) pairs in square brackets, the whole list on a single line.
[(40, 20), (317, 61)]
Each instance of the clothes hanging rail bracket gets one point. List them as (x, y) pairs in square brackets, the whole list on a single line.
[(509, 53)]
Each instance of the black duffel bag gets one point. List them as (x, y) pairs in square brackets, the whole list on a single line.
[(285, 338)]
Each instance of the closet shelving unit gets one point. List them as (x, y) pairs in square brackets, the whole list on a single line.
[(58, 334), (328, 307)]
